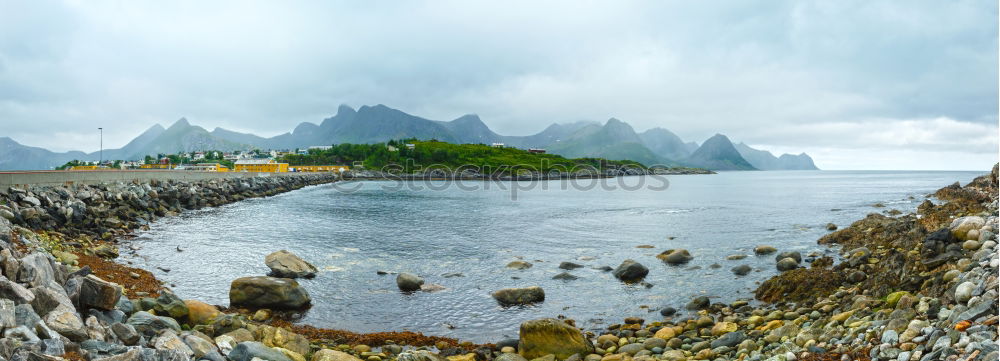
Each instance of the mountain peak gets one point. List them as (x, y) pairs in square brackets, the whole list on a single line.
[(718, 153), (345, 109), (156, 128), (182, 122), (469, 119)]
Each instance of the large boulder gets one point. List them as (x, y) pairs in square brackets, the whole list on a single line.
[(48, 298), (787, 264), (286, 264), (170, 305), (960, 227), (149, 324), (98, 293), (200, 313), (13, 291), (551, 336), (169, 341), (519, 296), (66, 322), (249, 350), (267, 292), (630, 271), (408, 282), (36, 270), (279, 337), (675, 256)]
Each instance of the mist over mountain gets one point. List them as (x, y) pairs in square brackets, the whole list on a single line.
[(764, 160), (666, 143), (615, 140)]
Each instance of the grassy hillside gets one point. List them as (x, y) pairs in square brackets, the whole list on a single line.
[(430, 154)]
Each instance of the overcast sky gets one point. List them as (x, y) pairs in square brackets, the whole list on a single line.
[(856, 84)]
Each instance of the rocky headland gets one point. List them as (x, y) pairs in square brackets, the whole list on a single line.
[(917, 287)]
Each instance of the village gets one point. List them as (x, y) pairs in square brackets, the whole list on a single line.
[(256, 161)]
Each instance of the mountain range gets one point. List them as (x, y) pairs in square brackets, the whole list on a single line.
[(614, 139)]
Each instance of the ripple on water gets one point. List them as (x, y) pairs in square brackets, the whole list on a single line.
[(437, 233)]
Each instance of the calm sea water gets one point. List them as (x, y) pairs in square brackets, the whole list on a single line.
[(350, 236)]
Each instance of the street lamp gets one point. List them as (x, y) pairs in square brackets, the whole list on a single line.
[(100, 158)]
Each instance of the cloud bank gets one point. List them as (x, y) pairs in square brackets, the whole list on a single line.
[(896, 83)]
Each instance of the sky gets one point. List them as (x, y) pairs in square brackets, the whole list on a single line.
[(855, 84)]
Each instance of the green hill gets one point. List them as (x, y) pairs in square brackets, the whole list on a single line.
[(436, 154)]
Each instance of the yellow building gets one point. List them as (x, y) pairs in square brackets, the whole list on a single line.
[(208, 167), (156, 166), (83, 167), (321, 168), (260, 165)]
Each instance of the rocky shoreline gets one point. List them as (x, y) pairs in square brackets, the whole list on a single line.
[(914, 287)]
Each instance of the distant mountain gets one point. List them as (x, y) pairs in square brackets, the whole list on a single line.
[(179, 137), (666, 144), (470, 129), (552, 134), (15, 156), (764, 160), (718, 153), (616, 140), (613, 140)]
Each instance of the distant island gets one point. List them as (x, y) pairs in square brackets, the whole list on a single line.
[(615, 140), (416, 157)]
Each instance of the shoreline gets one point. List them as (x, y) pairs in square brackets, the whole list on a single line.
[(631, 331)]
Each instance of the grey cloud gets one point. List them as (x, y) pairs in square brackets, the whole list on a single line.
[(762, 72)]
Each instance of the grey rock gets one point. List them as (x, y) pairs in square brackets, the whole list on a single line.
[(890, 337), (286, 264), (98, 293), (408, 282), (247, 351), (147, 324), (66, 322), (565, 276), (22, 334), (509, 357), (741, 270), (169, 304), (630, 271), (48, 298), (790, 254), (13, 291), (53, 347), (631, 348), (519, 296), (36, 270), (569, 266), (964, 292), (168, 340), (787, 264), (698, 303), (8, 314), (268, 292), (730, 339), (126, 333), (675, 256)]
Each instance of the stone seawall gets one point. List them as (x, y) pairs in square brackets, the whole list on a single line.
[(68, 203), (55, 178)]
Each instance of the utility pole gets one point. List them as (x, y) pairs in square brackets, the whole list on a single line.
[(100, 158)]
